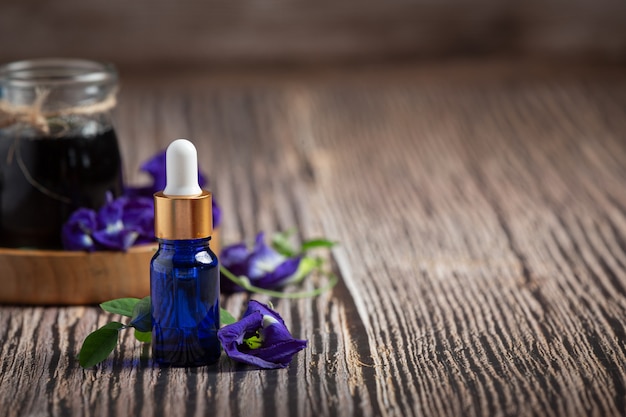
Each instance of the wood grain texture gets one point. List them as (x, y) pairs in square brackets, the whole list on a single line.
[(53, 277), (482, 221), (152, 34)]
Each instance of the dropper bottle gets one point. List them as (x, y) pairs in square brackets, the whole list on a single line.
[(184, 272)]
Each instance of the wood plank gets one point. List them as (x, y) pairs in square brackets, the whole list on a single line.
[(482, 258)]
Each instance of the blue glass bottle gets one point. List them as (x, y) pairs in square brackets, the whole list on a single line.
[(184, 273), (184, 282)]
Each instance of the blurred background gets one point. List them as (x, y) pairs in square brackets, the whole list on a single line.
[(161, 35)]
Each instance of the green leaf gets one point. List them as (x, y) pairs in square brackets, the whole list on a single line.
[(226, 318), (142, 316), (145, 337), (99, 344), (123, 306), (317, 243), (282, 245)]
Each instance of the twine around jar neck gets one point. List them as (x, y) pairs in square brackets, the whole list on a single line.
[(35, 116)]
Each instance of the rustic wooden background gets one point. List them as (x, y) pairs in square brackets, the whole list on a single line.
[(482, 218), (469, 156), (151, 35)]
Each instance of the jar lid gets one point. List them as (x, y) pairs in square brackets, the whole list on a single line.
[(56, 71)]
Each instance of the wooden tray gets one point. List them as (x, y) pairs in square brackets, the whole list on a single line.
[(73, 277)]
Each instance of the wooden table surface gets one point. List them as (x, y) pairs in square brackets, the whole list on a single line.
[(481, 211)]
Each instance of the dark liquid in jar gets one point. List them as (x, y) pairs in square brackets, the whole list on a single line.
[(81, 169)]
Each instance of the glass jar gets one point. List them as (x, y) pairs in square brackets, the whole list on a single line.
[(58, 149)]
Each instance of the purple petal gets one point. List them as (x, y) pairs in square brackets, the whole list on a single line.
[(269, 269), (155, 166), (232, 336), (121, 222), (263, 259), (264, 267), (110, 215), (280, 276), (254, 305), (235, 258), (76, 232), (217, 213), (119, 240), (138, 215), (278, 345)]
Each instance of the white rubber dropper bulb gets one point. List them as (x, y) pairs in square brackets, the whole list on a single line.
[(181, 170)]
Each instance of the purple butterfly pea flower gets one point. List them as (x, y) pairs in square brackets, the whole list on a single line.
[(118, 225), (76, 232), (138, 215), (263, 266), (260, 338), (124, 222)]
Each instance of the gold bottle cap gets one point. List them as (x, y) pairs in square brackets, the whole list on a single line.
[(183, 217)]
